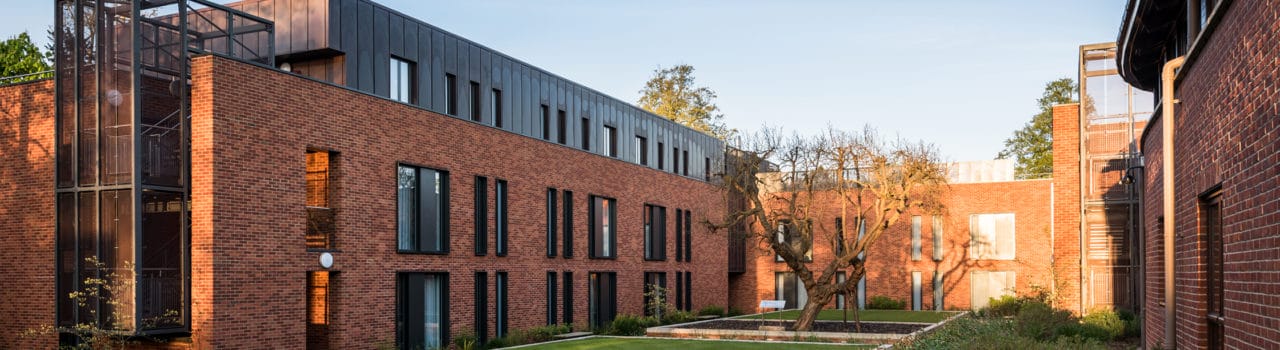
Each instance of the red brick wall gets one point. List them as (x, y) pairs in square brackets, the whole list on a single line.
[(1228, 133), (889, 264), (26, 214), (1066, 205), (251, 127)]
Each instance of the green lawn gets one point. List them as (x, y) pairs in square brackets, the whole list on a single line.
[(867, 315), (682, 344)]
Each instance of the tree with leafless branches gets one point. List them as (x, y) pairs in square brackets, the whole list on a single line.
[(785, 183)]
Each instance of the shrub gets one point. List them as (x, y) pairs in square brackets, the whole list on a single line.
[(885, 303), (544, 333), (711, 310), (630, 325), (1007, 305), (676, 316), (465, 339), (1039, 321), (733, 311), (1106, 323)]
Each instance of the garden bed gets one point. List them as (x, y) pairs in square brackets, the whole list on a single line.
[(818, 326)]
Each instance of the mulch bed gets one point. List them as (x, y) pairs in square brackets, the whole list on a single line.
[(819, 326)]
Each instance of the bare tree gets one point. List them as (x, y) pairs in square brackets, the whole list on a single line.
[(787, 183)]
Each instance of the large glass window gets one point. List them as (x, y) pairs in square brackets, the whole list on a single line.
[(423, 310), (602, 298), (655, 232), (403, 80), (788, 287), (568, 297), (655, 287), (991, 236), (160, 282), (422, 210), (985, 285), (604, 215)]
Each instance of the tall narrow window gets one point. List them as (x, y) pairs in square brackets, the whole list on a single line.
[(318, 309), (568, 224), (679, 290), (481, 298), (422, 310), (679, 234), (568, 297), (586, 134), (862, 292), (789, 234), (915, 237), (403, 80), (500, 304), (610, 141), (662, 153), (991, 236), (675, 160), (839, 236), (320, 214), (475, 102), (938, 296), (422, 216), (551, 297), (688, 291), (1211, 235), (840, 296), (655, 232), (642, 150), (603, 227), (688, 236), (602, 298), (706, 169), (562, 123), (450, 94), (684, 157), (655, 286), (495, 105), (544, 117), (937, 237), (500, 217), (916, 292), (481, 207), (788, 287), (552, 213)]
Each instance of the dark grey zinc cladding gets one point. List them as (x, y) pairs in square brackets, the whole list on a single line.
[(369, 34)]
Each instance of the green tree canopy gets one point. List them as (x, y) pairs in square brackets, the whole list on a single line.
[(671, 93), (1032, 146), (18, 56)]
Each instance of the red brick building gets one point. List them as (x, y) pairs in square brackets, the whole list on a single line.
[(1210, 207), (388, 191)]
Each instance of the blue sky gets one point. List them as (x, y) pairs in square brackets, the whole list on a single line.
[(960, 74)]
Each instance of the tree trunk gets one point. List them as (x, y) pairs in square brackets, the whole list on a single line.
[(810, 312)]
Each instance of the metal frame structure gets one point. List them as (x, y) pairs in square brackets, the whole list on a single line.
[(100, 44)]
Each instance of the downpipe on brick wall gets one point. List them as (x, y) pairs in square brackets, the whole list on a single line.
[(1167, 78)]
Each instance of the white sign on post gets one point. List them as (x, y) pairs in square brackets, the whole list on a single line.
[(773, 304)]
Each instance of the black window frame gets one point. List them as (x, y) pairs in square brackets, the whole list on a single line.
[(442, 215), (552, 289), (495, 103), (567, 224), (562, 125), (411, 75), (546, 121), (688, 291), (653, 278), (679, 234), (480, 206), (685, 158), (480, 297), (688, 235), (655, 232), (706, 168), (662, 156), (476, 112), (451, 94), (602, 286), (552, 213), (501, 221), (675, 160), (642, 150), (586, 133), (679, 290), (611, 142), (593, 230), (500, 306), (567, 297), (403, 318)]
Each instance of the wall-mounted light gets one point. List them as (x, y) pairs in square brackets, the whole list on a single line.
[(286, 67)]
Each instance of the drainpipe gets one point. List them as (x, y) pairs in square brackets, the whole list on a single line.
[(1167, 101)]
